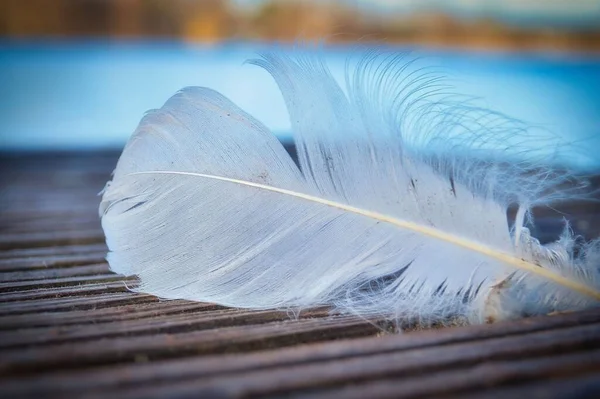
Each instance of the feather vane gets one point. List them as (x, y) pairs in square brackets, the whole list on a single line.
[(394, 210)]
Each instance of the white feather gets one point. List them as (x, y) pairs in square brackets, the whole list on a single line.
[(399, 209)]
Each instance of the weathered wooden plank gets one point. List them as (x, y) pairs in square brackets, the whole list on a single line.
[(89, 207), (51, 201), (42, 252), (416, 362), (461, 381), (356, 348), (586, 386), (61, 292), (61, 272), (120, 313), (28, 264), (67, 334), (53, 224), (84, 303), (171, 324), (220, 340), (31, 216), (50, 238), (62, 282), (291, 370)]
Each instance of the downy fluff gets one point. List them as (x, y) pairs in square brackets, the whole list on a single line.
[(398, 209)]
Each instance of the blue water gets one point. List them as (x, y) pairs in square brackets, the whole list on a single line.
[(92, 94)]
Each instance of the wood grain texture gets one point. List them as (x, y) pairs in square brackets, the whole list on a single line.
[(71, 328)]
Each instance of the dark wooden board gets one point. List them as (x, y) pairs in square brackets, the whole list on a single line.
[(71, 328)]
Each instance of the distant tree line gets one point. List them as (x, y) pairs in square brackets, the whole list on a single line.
[(275, 20)]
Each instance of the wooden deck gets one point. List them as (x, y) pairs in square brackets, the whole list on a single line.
[(70, 328)]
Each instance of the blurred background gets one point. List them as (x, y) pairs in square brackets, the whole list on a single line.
[(79, 74)]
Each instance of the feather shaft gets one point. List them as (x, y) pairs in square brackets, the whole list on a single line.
[(425, 230)]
